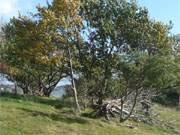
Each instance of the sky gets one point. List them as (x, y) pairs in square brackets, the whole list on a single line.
[(10, 8), (161, 10), (165, 11)]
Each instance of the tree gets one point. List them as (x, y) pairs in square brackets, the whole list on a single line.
[(124, 45), (30, 49), (50, 36), (64, 17), (111, 48)]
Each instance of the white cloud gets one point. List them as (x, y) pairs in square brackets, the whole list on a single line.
[(8, 7)]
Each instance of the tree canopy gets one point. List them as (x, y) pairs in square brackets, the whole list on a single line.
[(110, 48)]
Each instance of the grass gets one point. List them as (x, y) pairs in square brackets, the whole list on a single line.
[(23, 115)]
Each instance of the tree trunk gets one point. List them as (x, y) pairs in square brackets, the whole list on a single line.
[(121, 111), (46, 92), (24, 91), (179, 99), (134, 104), (101, 92), (15, 88), (100, 98), (73, 82)]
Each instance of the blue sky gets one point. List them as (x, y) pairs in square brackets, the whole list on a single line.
[(162, 10), (9, 8)]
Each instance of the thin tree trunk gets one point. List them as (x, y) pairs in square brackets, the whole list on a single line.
[(101, 92), (15, 88), (121, 111), (133, 106), (73, 82), (179, 100)]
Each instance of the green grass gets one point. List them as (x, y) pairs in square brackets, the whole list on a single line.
[(23, 115)]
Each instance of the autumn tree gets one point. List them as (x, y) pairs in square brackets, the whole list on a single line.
[(43, 45), (31, 51), (64, 17)]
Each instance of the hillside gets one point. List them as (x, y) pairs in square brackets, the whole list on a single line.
[(42, 116)]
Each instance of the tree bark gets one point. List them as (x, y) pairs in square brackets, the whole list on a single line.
[(179, 99), (73, 82), (121, 111), (101, 92), (46, 92), (138, 91), (15, 88)]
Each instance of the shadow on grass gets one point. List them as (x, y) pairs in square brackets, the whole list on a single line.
[(69, 119), (57, 103), (91, 114), (64, 105)]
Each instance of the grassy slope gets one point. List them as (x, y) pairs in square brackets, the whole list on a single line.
[(42, 116)]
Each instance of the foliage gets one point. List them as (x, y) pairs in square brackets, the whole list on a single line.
[(35, 56), (113, 48), (124, 45)]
